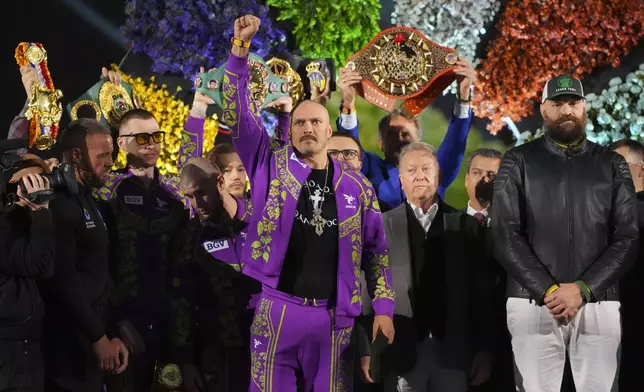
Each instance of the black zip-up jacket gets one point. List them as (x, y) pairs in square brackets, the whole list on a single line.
[(27, 245), (564, 214)]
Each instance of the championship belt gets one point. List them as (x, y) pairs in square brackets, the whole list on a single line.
[(283, 70), (314, 72), (167, 378), (264, 85), (44, 108), (106, 102), (400, 63)]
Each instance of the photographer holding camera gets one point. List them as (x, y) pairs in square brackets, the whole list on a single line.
[(76, 349), (26, 255)]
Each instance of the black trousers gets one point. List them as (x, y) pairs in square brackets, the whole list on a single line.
[(21, 366)]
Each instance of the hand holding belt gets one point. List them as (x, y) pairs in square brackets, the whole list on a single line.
[(264, 85), (106, 102), (400, 63), (44, 109)]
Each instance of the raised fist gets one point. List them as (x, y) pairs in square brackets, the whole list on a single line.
[(246, 27)]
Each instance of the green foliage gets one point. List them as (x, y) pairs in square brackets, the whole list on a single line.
[(330, 28), (434, 126)]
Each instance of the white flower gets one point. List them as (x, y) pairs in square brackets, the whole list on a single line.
[(455, 24)]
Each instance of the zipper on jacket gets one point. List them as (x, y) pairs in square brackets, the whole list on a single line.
[(571, 241)]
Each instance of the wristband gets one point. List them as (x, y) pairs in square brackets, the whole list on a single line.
[(585, 290), (552, 289), (461, 100), (240, 43), (347, 110)]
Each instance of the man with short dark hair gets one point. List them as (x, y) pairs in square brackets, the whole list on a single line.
[(482, 168), (344, 147), (630, 287), (227, 160), (76, 348), (564, 224)]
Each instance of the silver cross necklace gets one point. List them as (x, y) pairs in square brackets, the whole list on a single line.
[(318, 222)]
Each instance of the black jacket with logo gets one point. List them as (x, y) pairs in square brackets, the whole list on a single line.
[(564, 214), (27, 246)]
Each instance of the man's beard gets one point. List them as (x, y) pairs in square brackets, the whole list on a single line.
[(91, 178), (565, 136), (217, 211)]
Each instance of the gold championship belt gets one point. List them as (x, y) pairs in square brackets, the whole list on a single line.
[(282, 69), (167, 378), (400, 63), (44, 109)]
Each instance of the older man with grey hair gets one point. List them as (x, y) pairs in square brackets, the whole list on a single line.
[(442, 315)]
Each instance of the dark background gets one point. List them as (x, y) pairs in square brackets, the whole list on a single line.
[(76, 50)]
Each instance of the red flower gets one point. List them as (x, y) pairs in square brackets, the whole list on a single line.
[(539, 39)]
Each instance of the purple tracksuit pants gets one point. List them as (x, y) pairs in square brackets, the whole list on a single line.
[(294, 341)]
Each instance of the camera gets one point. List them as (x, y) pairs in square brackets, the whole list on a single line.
[(61, 178)]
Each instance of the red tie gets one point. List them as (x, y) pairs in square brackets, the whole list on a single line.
[(480, 218)]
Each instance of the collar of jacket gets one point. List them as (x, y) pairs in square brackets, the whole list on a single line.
[(565, 149)]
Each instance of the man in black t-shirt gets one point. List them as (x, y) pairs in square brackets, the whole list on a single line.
[(76, 348)]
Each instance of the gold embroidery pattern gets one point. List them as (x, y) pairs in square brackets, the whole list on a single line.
[(341, 369), (260, 327), (284, 174), (348, 226), (356, 255), (379, 269), (262, 363), (261, 248), (230, 105), (188, 147)]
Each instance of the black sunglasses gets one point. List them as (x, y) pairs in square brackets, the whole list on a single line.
[(143, 138), (346, 154)]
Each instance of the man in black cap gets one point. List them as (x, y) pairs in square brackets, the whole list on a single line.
[(564, 223)]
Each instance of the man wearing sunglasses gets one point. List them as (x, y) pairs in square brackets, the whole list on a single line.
[(143, 211)]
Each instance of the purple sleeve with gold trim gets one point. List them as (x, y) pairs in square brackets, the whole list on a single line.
[(242, 116), (375, 255), (191, 140)]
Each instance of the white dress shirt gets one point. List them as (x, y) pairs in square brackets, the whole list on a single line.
[(471, 212), (424, 218)]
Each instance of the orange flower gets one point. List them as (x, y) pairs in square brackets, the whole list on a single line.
[(539, 39)]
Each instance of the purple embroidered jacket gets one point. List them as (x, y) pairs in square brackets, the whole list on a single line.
[(276, 176)]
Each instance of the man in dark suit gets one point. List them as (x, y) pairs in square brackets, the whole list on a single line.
[(443, 315)]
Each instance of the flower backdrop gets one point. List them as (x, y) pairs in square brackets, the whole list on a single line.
[(183, 35), (618, 112), (540, 38), (533, 40)]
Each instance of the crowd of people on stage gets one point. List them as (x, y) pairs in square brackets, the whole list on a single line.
[(301, 262)]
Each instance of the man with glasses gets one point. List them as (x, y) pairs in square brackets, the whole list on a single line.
[(344, 147), (143, 211)]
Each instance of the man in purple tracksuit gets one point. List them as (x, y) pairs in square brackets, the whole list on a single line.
[(329, 213)]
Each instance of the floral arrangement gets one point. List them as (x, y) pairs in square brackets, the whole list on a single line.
[(330, 28), (455, 24), (269, 120), (171, 113), (541, 38), (183, 35), (618, 112)]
